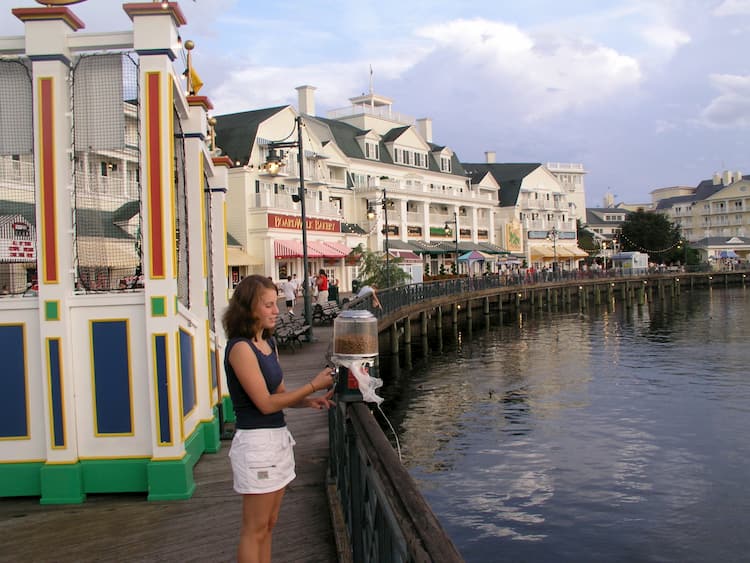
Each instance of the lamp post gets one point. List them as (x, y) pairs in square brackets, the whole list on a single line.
[(371, 215), (455, 232), (604, 254), (273, 162), (553, 235)]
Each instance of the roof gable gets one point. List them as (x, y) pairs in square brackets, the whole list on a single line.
[(236, 132)]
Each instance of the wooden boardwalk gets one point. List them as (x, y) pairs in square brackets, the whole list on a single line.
[(204, 528)]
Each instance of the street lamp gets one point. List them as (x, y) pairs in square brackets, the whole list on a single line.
[(385, 231), (455, 232), (272, 165), (553, 236), (604, 254)]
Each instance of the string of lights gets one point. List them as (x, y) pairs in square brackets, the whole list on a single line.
[(647, 251)]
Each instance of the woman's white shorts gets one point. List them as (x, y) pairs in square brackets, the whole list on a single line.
[(262, 460)]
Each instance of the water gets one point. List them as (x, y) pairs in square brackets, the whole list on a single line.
[(612, 435)]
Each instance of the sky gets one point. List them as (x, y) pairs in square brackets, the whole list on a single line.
[(644, 93)]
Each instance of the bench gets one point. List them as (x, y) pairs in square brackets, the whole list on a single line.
[(290, 330), (324, 313)]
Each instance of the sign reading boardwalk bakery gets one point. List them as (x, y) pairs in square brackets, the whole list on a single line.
[(294, 223)]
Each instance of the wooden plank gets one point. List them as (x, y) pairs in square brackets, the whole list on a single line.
[(204, 528)]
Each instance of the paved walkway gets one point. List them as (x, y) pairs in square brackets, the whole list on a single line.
[(203, 528)]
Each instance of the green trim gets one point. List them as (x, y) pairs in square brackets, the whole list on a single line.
[(211, 437), (51, 310), (62, 484), (158, 307), (228, 409), (20, 479), (69, 483), (115, 475)]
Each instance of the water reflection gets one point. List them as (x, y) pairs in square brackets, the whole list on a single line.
[(613, 434)]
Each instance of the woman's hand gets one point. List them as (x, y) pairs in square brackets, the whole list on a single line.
[(324, 379), (321, 403)]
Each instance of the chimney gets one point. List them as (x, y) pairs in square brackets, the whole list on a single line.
[(716, 179), (727, 178), (737, 176), (306, 99), (424, 126), (489, 157)]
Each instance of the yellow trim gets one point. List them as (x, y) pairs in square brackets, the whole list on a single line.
[(204, 230), (40, 137), (147, 180), (106, 457), (195, 382), (49, 395), (66, 462), (172, 194), (7, 461), (211, 364), (155, 371), (93, 380), (170, 458), (179, 387), (25, 384)]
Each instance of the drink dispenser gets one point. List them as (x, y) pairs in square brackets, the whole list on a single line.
[(355, 353)]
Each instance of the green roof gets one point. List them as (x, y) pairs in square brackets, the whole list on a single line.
[(508, 175), (236, 132), (89, 222)]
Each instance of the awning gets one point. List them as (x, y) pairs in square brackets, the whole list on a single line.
[(237, 257), (339, 250), (287, 248), (473, 256), (405, 255), (315, 249), (542, 251)]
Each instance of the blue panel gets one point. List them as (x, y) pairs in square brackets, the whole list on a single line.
[(187, 370), (213, 368), (55, 384), (13, 400), (162, 388), (109, 340)]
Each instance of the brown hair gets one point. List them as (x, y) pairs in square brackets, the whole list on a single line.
[(239, 319)]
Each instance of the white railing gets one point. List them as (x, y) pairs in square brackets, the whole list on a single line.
[(383, 112)]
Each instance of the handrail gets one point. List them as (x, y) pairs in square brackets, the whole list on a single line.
[(386, 515)]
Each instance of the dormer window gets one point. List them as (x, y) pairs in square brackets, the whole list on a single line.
[(372, 150), (445, 164)]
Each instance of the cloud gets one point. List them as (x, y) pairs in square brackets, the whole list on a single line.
[(665, 38), (733, 8), (540, 74), (731, 108)]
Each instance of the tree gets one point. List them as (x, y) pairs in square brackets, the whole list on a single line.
[(654, 234), (372, 268)]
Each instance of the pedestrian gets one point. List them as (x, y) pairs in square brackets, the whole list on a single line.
[(322, 283), (261, 454), (295, 281), (370, 290), (290, 293)]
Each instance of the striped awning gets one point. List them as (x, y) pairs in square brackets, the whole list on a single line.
[(405, 255), (315, 249), (339, 248)]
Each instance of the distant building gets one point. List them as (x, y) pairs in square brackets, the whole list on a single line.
[(536, 212)]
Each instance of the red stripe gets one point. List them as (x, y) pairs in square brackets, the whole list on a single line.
[(156, 219), (47, 142)]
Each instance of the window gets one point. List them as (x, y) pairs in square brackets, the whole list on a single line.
[(372, 150), (445, 164), (407, 157)]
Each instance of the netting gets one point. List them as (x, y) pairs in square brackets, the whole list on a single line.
[(181, 213), (18, 252), (107, 217)]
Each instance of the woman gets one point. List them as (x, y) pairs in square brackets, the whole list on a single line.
[(261, 453)]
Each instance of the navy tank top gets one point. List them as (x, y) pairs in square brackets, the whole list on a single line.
[(248, 415)]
